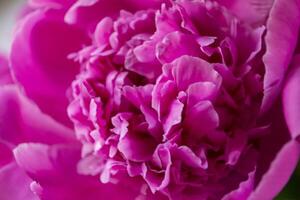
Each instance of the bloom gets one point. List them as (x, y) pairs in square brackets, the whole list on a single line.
[(169, 99)]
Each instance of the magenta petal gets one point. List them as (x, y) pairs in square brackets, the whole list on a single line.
[(54, 169), (50, 3), (87, 13), (22, 121), (5, 76), (208, 92), (176, 44), (279, 172), (15, 184), (141, 98), (46, 76), (201, 119), (291, 98), (280, 46), (187, 70), (251, 11), (5, 154), (174, 117), (103, 31), (244, 190)]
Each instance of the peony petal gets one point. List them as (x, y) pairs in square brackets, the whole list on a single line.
[(88, 13), (244, 190), (137, 147), (208, 92), (50, 3), (150, 70), (5, 154), (54, 169), (141, 98), (254, 12), (173, 118), (201, 119), (189, 158), (22, 121), (15, 184), (39, 33), (291, 98), (280, 46), (159, 180), (279, 172), (176, 44), (103, 31), (187, 70), (5, 76)]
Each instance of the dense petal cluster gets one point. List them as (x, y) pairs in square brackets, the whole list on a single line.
[(172, 95)]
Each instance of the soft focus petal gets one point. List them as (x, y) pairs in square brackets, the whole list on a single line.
[(15, 184), (50, 3), (244, 190), (22, 121), (280, 46), (273, 145), (291, 98), (5, 154), (5, 76), (54, 169), (39, 58), (279, 173)]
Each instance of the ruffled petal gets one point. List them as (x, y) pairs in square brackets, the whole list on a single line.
[(280, 46), (201, 119), (175, 45), (187, 70), (87, 13), (46, 76)]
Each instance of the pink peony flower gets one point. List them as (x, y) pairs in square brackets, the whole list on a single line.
[(151, 100)]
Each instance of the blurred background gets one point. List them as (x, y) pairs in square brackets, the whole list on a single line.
[(8, 15), (9, 10)]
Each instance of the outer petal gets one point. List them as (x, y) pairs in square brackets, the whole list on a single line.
[(279, 173), (244, 190), (176, 44), (15, 184), (22, 121), (278, 156), (5, 76), (280, 46), (5, 154), (291, 98), (54, 168), (50, 3), (46, 76)]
